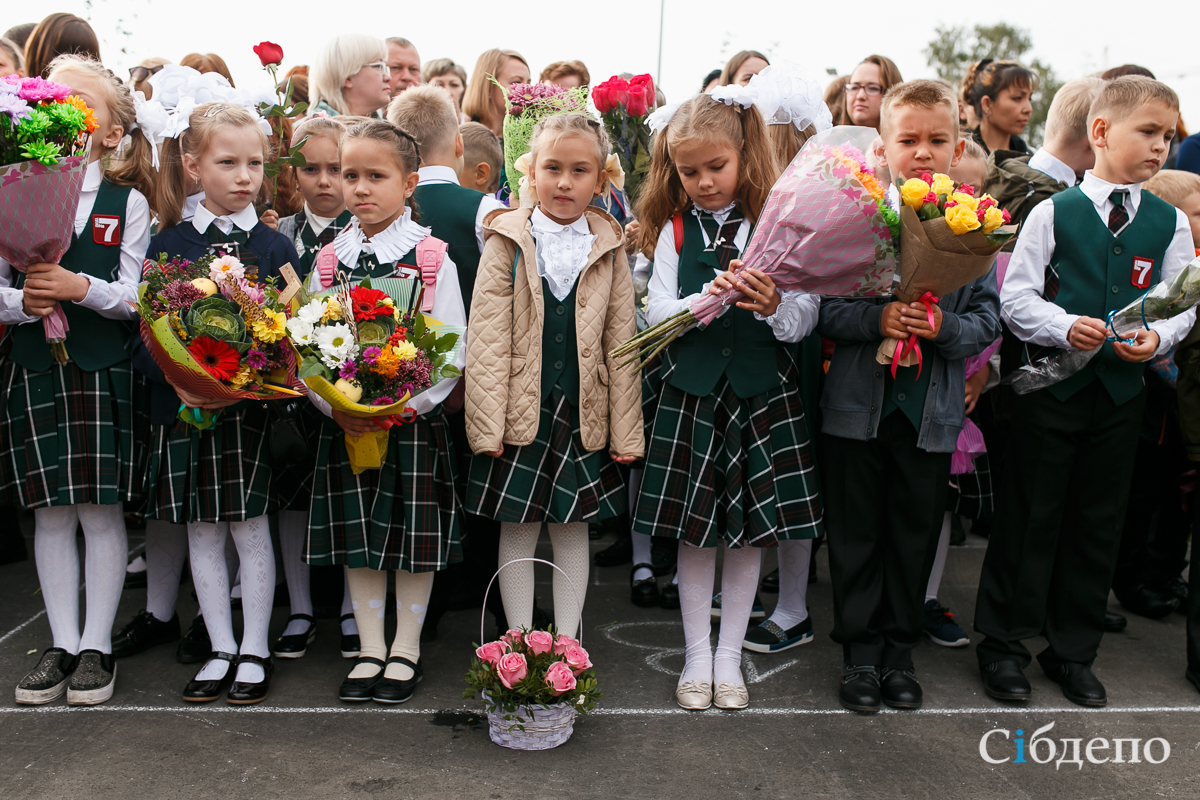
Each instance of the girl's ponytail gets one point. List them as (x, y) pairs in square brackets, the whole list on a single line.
[(134, 166), (171, 191)]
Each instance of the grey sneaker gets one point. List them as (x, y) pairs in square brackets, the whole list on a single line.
[(93, 680), (48, 680)]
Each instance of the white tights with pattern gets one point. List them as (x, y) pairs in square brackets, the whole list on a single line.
[(697, 579), (570, 542)]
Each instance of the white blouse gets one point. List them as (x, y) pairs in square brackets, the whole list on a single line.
[(562, 251)]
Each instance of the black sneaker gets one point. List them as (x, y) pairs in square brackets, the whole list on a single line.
[(48, 680), (93, 680), (195, 647), (940, 627), (767, 637), (143, 632)]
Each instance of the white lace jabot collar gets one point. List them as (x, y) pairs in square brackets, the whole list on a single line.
[(388, 246)]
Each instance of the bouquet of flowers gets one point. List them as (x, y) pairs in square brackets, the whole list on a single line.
[(524, 670), (527, 105), (216, 332), (623, 106), (826, 229), (1162, 301), (367, 350), (44, 136)]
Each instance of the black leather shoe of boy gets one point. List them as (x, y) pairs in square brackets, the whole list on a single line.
[(899, 688), (1005, 680), (643, 593), (618, 553), (207, 691), (668, 598), (770, 583), (392, 692), (859, 690), (1079, 684), (1114, 622), (357, 690), (195, 646), (143, 632), (1147, 601), (244, 693)]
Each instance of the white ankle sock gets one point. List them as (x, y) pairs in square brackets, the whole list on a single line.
[(412, 601), (57, 556), (349, 626), (571, 555), (517, 540), (739, 581), (792, 608), (253, 540), (368, 590), (107, 552), (293, 530), (939, 561), (697, 576), (166, 551)]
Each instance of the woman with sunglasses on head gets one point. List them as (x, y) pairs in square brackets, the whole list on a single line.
[(868, 84), (139, 76), (350, 76)]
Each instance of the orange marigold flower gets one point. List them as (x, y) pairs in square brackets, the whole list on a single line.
[(388, 363)]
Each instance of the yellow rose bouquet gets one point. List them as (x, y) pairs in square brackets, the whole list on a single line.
[(948, 238)]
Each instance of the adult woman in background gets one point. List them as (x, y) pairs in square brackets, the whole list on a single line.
[(484, 100), (350, 76), (1002, 98), (864, 92), (55, 35), (444, 73), (742, 67)]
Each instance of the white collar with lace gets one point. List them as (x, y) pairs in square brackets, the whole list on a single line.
[(562, 250), (388, 246)]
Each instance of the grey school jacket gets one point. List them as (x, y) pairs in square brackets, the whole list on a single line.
[(853, 397)]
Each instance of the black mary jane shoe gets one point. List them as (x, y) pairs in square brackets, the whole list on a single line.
[(668, 597), (207, 691), (357, 690), (296, 645), (242, 693), (392, 692), (643, 593), (351, 644)]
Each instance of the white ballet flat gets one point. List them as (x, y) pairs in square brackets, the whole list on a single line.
[(694, 695), (731, 696)]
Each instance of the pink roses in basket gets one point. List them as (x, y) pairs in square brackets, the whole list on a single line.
[(532, 668)]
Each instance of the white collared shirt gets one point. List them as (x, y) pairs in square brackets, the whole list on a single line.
[(245, 220), (190, 204), (388, 246), (317, 224), (487, 204), (795, 318), (109, 299), (1045, 161), (1038, 321), (562, 250)]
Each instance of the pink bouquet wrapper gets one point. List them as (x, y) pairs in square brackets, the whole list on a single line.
[(970, 438), (820, 232), (37, 219)]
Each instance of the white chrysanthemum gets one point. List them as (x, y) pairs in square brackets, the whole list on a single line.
[(224, 268), (336, 344), (300, 331), (312, 312)]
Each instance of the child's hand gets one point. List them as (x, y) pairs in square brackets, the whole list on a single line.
[(195, 401), (52, 282), (354, 426), (631, 237), (975, 386), (36, 306), (891, 324), (916, 320), (1142, 350), (495, 453), (270, 218), (624, 459), (1087, 333), (762, 296)]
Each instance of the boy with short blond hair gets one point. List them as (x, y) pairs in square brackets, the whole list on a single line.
[(1083, 253), (887, 442), (483, 158)]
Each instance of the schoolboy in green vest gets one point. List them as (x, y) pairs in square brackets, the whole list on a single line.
[(1083, 253)]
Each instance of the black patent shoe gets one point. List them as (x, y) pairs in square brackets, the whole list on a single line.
[(351, 644), (143, 632), (195, 646), (48, 680), (1005, 680), (643, 593), (243, 693), (207, 691), (668, 597), (770, 582), (1079, 684), (859, 689), (393, 692), (356, 690), (899, 688), (296, 645), (618, 553), (1114, 622)]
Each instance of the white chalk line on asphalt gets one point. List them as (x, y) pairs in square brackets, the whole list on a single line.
[(599, 712)]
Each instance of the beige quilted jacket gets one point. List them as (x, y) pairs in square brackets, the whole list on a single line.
[(504, 341)]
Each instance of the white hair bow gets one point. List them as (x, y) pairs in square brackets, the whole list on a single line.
[(783, 95)]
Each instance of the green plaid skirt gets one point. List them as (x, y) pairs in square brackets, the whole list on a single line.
[(291, 488), (722, 468), (222, 474), (551, 479), (68, 436), (405, 515)]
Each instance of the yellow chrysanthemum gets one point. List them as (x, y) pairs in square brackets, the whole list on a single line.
[(271, 328), (333, 311), (993, 218), (405, 351), (962, 219), (942, 184), (244, 376), (913, 193), (388, 363)]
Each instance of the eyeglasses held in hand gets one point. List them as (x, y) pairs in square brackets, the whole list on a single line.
[(383, 68), (872, 89), (139, 74)]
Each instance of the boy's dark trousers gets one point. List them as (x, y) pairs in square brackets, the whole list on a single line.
[(884, 503), (1048, 569)]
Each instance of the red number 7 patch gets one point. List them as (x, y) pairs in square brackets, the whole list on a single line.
[(1142, 267), (106, 229)]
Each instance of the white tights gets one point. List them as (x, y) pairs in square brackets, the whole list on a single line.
[(697, 578), (166, 550), (570, 542), (794, 557), (57, 555), (939, 561)]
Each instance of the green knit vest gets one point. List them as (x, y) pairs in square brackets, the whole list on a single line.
[(735, 345), (449, 212), (93, 342), (1096, 276), (560, 353)]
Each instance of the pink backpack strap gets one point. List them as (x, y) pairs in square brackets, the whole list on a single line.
[(326, 265), (431, 252)]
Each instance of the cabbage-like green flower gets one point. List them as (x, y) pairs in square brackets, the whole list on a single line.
[(219, 319)]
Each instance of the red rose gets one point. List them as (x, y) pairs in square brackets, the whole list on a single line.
[(641, 95), (610, 95), (269, 53)]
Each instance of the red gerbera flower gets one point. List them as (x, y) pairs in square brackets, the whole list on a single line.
[(368, 304), (217, 357)]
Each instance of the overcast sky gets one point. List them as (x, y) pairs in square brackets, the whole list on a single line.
[(623, 37)]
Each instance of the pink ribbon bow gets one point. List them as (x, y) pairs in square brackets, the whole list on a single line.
[(911, 345)]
